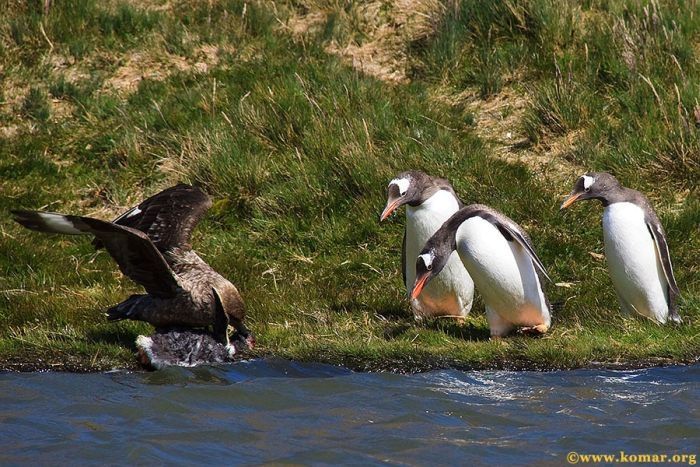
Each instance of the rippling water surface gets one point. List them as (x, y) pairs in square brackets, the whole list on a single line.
[(280, 411)]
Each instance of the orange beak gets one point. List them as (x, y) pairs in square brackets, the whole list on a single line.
[(570, 200), (418, 286), (391, 206)]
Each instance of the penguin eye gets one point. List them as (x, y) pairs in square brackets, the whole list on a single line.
[(429, 267), (588, 182)]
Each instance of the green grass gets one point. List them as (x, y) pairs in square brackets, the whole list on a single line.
[(296, 148)]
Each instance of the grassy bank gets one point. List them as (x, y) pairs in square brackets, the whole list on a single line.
[(294, 116)]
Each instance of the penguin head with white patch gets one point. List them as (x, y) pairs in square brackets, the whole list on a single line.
[(430, 262), (592, 185), (403, 189)]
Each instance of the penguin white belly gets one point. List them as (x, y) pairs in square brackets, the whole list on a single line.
[(451, 292), (633, 262), (504, 274)]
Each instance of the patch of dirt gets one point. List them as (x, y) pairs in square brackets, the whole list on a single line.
[(72, 72), (310, 23), (499, 121), (10, 107), (381, 33), (381, 54), (14, 123), (61, 109), (9, 131), (138, 66), (207, 57), (159, 65), (13, 94)]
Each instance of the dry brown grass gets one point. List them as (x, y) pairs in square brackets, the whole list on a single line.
[(499, 121), (383, 31), (158, 65)]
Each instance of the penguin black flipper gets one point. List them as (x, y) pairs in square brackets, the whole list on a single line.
[(512, 232), (657, 233), (460, 203), (403, 258)]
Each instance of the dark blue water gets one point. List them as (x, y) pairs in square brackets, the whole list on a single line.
[(279, 411)]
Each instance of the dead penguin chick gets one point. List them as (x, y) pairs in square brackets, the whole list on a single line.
[(181, 348), (187, 348), (192, 347)]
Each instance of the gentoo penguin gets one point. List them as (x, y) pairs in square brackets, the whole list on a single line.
[(635, 247), (150, 244), (500, 258), (429, 203)]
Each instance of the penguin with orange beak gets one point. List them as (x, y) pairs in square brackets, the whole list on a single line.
[(501, 260), (429, 202), (636, 248)]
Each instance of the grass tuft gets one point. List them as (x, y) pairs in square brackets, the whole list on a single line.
[(36, 105)]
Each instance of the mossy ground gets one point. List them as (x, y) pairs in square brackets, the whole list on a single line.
[(104, 103)]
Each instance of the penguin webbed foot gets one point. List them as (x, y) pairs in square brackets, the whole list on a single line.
[(534, 331), (675, 318)]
